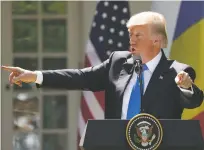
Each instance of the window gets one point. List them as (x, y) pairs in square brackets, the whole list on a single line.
[(40, 41)]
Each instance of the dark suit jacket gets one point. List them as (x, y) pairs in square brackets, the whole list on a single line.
[(162, 98)]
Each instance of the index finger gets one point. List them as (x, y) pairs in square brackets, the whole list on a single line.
[(9, 68)]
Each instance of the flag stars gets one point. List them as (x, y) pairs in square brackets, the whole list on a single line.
[(124, 10), (100, 38), (102, 27), (110, 41), (121, 33), (115, 7), (108, 52), (94, 24), (104, 15), (122, 22), (119, 44), (112, 30), (113, 18), (106, 4)]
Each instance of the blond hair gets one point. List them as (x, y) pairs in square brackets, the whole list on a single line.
[(156, 20)]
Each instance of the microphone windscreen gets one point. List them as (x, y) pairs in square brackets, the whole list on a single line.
[(136, 57)]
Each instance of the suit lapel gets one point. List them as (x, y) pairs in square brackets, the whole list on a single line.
[(156, 79)]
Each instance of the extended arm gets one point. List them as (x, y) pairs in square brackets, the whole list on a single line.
[(91, 78)]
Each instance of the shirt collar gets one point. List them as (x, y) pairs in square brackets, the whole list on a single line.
[(154, 62)]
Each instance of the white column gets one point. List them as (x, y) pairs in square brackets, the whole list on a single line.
[(6, 95)]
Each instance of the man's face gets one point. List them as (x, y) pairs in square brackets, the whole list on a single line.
[(140, 39)]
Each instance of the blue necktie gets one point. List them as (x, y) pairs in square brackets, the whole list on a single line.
[(135, 97)]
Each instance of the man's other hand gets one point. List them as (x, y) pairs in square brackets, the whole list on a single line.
[(183, 80), (19, 75)]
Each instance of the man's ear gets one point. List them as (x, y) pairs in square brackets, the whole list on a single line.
[(157, 39)]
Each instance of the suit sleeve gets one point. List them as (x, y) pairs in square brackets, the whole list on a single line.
[(90, 78), (194, 97)]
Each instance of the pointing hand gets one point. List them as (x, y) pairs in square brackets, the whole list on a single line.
[(19, 75)]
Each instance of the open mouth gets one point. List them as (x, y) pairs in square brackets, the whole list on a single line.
[(132, 48)]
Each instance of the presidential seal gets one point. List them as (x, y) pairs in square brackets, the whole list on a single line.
[(144, 132)]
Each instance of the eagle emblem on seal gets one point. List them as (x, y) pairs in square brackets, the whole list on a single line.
[(144, 134)]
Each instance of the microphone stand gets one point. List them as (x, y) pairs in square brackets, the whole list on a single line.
[(138, 69)]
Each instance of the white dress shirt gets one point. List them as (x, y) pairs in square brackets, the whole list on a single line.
[(39, 78)]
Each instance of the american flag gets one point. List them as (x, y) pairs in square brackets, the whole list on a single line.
[(108, 33)]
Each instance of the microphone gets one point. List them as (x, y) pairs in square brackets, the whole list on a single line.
[(138, 70), (138, 64)]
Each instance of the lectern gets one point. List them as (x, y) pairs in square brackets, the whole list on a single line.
[(112, 135)]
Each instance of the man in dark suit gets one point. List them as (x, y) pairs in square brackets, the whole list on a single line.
[(168, 85)]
